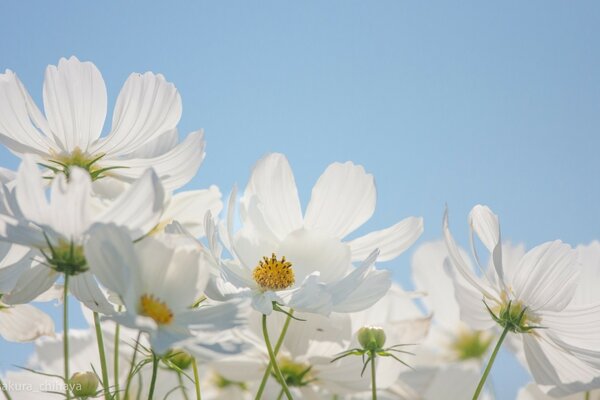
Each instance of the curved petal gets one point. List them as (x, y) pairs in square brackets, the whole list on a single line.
[(31, 284), (70, 204), (23, 128), (30, 193), (189, 208), (158, 146), (85, 288), (484, 223), (272, 182), (175, 168), (391, 241), (147, 107), (24, 323), (139, 208), (75, 103), (547, 276), (342, 200), (462, 266)]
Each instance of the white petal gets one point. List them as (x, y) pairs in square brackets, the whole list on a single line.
[(547, 276), (86, 289), (462, 266), (30, 192), (16, 259), (111, 257), (589, 279), (310, 251), (20, 119), (175, 167), (391, 241), (272, 182), (147, 107), (24, 323), (430, 277), (140, 207), (263, 302), (156, 147), (211, 318), (312, 296), (189, 208), (70, 204), (31, 284), (484, 223), (342, 200), (75, 103)]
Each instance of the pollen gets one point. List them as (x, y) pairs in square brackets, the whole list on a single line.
[(274, 274), (152, 307)]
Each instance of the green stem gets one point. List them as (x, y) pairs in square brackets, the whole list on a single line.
[(587, 395), (265, 377), (488, 368), (280, 395), (5, 390), (154, 373), (373, 376), (274, 365), (182, 385), (196, 379), (100, 340), (66, 336), (116, 360), (132, 366)]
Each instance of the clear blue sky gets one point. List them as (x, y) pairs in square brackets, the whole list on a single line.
[(450, 102)]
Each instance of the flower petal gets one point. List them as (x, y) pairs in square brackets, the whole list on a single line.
[(24, 323), (484, 223), (31, 284), (147, 107), (23, 128), (70, 212), (75, 103), (547, 276), (189, 208), (86, 289), (175, 168), (342, 200), (272, 182), (139, 208), (391, 241)]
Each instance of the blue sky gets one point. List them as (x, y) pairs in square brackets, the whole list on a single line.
[(444, 102)]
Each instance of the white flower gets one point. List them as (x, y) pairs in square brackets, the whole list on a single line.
[(56, 229), (158, 284), (308, 252), (24, 323), (560, 343), (143, 133)]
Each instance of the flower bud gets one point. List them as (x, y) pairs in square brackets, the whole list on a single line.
[(83, 384), (180, 358), (371, 337)]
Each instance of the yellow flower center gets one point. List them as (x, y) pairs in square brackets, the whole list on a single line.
[(471, 344), (273, 274), (152, 307)]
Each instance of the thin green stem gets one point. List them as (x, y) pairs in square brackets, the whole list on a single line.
[(5, 390), (66, 336), (373, 376), (182, 385), (154, 373), (116, 360), (274, 365), (488, 368), (132, 366), (196, 379), (100, 341), (587, 395), (265, 377), (280, 395)]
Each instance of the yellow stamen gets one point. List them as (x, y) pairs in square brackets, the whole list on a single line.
[(152, 307), (272, 274)]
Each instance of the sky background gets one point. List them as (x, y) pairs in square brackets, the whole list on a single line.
[(453, 103)]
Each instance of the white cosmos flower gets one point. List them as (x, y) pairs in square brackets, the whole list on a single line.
[(317, 259), (57, 228), (158, 283), (24, 323), (143, 133), (533, 392), (538, 289)]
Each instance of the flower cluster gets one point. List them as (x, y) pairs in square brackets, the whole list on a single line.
[(265, 301)]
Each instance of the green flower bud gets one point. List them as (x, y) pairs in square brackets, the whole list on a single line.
[(180, 358), (84, 384), (371, 337)]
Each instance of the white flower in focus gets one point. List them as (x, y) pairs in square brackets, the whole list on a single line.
[(55, 229), (158, 285), (560, 343), (143, 133), (279, 249)]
